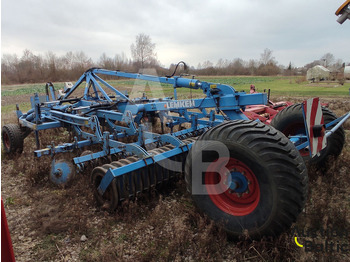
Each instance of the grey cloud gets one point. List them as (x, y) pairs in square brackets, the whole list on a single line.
[(296, 31)]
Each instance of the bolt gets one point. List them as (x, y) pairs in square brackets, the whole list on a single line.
[(249, 182), (239, 194), (58, 173)]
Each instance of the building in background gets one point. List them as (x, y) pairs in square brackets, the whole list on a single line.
[(318, 73)]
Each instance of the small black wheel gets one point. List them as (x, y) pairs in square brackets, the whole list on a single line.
[(290, 121), (110, 199), (12, 138), (258, 187)]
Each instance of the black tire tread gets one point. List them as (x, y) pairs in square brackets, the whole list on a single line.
[(335, 142), (16, 138), (279, 154)]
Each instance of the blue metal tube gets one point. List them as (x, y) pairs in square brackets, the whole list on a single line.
[(69, 118), (81, 79), (152, 78), (185, 82), (112, 88), (342, 121), (176, 81), (101, 89)]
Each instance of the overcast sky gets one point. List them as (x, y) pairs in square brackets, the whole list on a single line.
[(298, 31)]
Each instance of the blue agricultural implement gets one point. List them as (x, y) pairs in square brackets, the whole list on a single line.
[(245, 175)]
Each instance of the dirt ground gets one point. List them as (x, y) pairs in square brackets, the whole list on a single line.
[(49, 223)]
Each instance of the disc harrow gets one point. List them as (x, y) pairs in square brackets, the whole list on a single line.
[(222, 145)]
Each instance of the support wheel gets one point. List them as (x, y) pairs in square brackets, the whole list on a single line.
[(248, 177), (110, 199), (12, 138), (290, 121)]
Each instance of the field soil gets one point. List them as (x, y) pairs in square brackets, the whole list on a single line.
[(50, 223)]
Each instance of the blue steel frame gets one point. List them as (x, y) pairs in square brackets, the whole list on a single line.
[(96, 105)]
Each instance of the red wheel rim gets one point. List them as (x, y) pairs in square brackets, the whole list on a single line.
[(226, 199), (6, 139)]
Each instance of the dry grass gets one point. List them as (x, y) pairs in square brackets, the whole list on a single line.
[(47, 222)]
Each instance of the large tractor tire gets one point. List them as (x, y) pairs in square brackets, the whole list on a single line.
[(258, 189), (12, 138), (290, 121)]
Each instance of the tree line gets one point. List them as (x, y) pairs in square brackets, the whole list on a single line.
[(32, 68)]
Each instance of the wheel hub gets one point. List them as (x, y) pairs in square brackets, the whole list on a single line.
[(239, 183), (58, 173), (236, 193)]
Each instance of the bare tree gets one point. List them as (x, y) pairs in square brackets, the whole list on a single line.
[(267, 58), (142, 50), (238, 67), (51, 59), (328, 59), (222, 63), (121, 61), (268, 64), (252, 66), (82, 61), (106, 62), (339, 64), (207, 64), (9, 69)]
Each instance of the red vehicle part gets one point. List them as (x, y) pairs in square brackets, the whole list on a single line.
[(240, 200), (7, 254), (265, 113)]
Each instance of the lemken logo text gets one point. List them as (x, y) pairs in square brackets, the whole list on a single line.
[(180, 104)]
